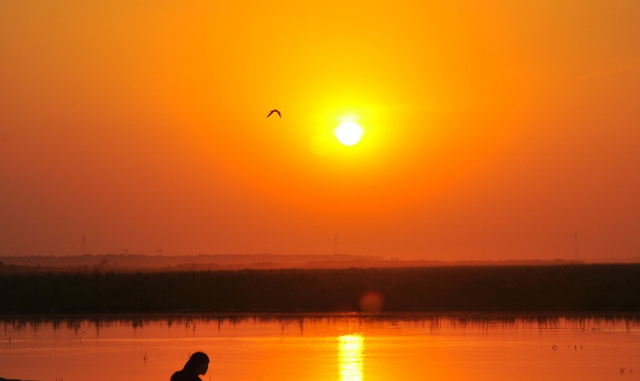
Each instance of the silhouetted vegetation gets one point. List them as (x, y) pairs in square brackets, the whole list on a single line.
[(434, 319), (525, 288), (216, 262), (201, 262)]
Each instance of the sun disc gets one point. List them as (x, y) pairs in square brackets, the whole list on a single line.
[(349, 133)]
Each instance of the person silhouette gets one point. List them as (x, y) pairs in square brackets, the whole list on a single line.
[(197, 364)]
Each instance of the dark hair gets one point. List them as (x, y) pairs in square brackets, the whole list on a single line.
[(195, 360)]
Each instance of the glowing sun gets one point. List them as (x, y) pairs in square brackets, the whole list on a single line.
[(349, 133)]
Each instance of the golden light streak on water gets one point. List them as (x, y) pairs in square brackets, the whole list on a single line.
[(350, 357)]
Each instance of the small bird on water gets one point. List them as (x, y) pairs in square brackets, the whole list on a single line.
[(272, 111)]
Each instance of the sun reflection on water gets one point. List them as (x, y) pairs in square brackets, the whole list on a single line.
[(350, 357)]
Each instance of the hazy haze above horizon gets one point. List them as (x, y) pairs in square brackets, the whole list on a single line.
[(492, 129)]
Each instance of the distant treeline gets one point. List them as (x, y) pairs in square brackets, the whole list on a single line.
[(215, 262), (517, 288), (140, 261)]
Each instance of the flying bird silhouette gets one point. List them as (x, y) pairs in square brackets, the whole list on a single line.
[(276, 111)]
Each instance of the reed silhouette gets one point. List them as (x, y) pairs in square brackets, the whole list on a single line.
[(545, 288)]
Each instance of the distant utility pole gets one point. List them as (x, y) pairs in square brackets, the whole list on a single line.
[(575, 246), (82, 253), (335, 244)]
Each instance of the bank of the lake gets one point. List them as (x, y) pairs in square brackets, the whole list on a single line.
[(614, 287)]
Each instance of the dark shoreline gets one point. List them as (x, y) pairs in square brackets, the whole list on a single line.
[(435, 320), (610, 288)]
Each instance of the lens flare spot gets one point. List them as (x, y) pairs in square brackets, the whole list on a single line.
[(371, 302)]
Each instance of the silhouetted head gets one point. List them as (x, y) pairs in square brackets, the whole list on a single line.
[(198, 363)]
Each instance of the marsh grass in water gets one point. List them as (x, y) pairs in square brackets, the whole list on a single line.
[(526, 288)]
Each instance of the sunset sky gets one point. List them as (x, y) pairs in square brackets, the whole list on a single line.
[(493, 129)]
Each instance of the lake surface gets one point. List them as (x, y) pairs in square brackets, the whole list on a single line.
[(327, 347)]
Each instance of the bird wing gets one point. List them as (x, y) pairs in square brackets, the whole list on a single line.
[(276, 111)]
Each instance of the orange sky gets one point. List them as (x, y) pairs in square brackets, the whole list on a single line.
[(492, 129)]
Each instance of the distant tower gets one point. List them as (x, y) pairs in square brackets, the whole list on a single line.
[(82, 245), (335, 244), (575, 246)]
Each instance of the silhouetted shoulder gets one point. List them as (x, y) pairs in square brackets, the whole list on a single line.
[(181, 375)]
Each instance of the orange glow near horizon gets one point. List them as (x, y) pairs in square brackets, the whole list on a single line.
[(142, 126)]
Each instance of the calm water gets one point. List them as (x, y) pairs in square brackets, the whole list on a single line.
[(324, 347)]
